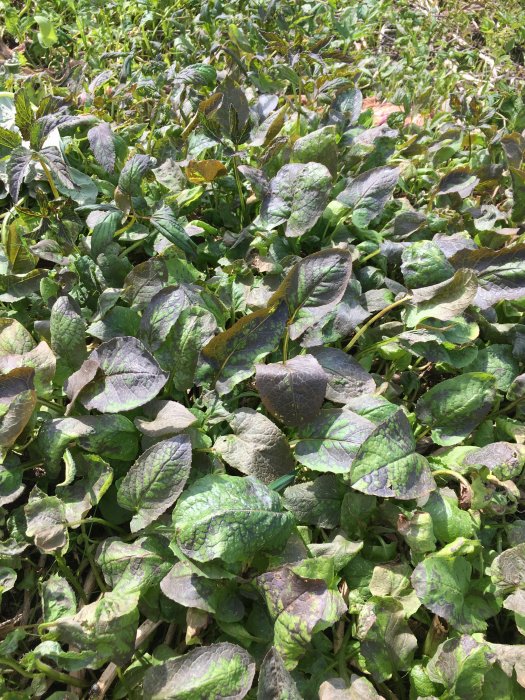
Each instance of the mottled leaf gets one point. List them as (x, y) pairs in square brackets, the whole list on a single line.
[(444, 300), (165, 418), (17, 402), (368, 193), (316, 502), (275, 683), (347, 379), (101, 141)]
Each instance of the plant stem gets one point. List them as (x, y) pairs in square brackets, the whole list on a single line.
[(49, 177), (242, 202), (52, 405), (70, 576), (94, 568), (375, 318), (59, 676), (455, 475), (15, 666)]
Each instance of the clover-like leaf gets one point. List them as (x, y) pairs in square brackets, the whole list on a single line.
[(231, 518), (292, 391), (118, 376), (221, 671), (155, 481)]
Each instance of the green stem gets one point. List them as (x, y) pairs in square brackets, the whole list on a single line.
[(52, 405), (125, 227), (98, 521), (341, 656), (70, 576), (94, 568), (49, 177), (242, 202), (4, 661), (375, 318), (59, 676), (285, 345)]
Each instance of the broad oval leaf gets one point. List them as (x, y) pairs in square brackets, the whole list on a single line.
[(155, 481), (231, 356), (444, 300), (221, 671), (126, 376), (101, 141), (347, 379), (292, 391), (257, 447), (68, 330), (297, 197), (313, 287), (454, 407), (17, 402), (231, 518), (387, 464), (368, 193), (330, 442), (275, 683)]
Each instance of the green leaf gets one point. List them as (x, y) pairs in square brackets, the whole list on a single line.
[(58, 598), (503, 459), (331, 441), (442, 583), (275, 683), (231, 518), (499, 361), (387, 464), (118, 376), (221, 671), (508, 569), (105, 628), (316, 502), (318, 146), (368, 193), (133, 172), (257, 447), (68, 330), (133, 567), (163, 311), (292, 391), (313, 287), (444, 301), (299, 607), (297, 196), (24, 112), (9, 139), (165, 222), (82, 494), (387, 642), (461, 666), (459, 181), (424, 264), (47, 36), (448, 520), (155, 480), (165, 418), (231, 356), (454, 407), (518, 189), (500, 273)]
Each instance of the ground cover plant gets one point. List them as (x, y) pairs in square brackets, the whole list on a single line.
[(262, 350)]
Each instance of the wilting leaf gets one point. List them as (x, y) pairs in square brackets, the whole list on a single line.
[(387, 643), (253, 514), (17, 402), (221, 671), (203, 171), (231, 356), (156, 480), (166, 418), (106, 629), (275, 683), (368, 193), (316, 502), (508, 569), (300, 607), (454, 407), (100, 139), (257, 447), (387, 464), (444, 300), (58, 598), (360, 689), (347, 379), (313, 287), (292, 391), (500, 273), (503, 459), (461, 665), (118, 376), (330, 442), (297, 197)]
